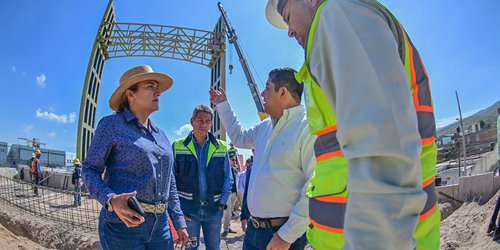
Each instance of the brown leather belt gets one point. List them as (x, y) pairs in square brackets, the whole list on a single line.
[(268, 222)]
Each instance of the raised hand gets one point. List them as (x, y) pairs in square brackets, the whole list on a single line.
[(217, 96)]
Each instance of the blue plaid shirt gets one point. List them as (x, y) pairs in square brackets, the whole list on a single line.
[(133, 158)]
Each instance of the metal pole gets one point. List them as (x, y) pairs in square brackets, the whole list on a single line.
[(458, 153), (463, 132)]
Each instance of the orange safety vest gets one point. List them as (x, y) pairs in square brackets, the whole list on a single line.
[(34, 164)]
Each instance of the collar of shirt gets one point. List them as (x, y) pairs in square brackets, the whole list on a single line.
[(191, 135), (288, 114), (129, 116)]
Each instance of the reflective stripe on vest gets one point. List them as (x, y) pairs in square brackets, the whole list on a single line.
[(431, 203), (321, 210), (326, 144)]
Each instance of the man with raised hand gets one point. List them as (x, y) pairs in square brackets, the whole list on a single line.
[(282, 166)]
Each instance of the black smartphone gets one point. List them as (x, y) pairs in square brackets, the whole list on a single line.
[(134, 204)]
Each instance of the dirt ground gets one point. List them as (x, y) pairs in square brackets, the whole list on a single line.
[(22, 230), (466, 227), (40, 233), (10, 241)]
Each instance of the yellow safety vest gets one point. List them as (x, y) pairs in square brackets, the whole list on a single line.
[(327, 190)]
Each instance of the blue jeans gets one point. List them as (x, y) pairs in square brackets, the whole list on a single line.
[(77, 196), (153, 233), (211, 225), (257, 239)]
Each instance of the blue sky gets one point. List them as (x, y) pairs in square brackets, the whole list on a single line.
[(46, 46)]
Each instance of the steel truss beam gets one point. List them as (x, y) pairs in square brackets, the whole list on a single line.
[(115, 39), (151, 40)]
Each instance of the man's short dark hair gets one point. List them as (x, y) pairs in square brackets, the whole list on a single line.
[(285, 77)]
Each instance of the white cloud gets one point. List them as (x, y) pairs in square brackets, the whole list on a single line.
[(27, 129), (51, 116), (13, 68), (40, 80), (52, 134), (443, 122), (184, 128)]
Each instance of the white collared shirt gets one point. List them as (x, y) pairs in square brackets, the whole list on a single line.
[(283, 164)]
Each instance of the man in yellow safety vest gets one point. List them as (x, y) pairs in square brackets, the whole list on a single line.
[(368, 101)]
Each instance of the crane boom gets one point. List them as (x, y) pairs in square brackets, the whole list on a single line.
[(233, 39)]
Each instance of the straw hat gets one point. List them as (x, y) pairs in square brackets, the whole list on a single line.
[(273, 16), (136, 75)]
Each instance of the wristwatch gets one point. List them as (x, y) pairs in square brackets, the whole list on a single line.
[(108, 205)]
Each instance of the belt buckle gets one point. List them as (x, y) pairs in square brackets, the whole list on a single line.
[(161, 207), (204, 203), (255, 222)]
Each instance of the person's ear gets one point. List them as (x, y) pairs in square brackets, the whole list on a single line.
[(283, 92), (129, 94)]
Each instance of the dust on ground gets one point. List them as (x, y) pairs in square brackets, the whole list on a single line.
[(10, 241), (42, 232), (466, 227)]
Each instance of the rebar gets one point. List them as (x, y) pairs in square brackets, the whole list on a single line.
[(54, 204)]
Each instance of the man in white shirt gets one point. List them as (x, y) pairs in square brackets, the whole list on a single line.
[(283, 163)]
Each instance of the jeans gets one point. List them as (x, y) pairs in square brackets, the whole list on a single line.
[(257, 239), (495, 213), (211, 225), (153, 233), (78, 196)]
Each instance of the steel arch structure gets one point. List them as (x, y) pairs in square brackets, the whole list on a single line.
[(115, 40)]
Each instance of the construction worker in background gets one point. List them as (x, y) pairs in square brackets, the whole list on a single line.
[(35, 171), (231, 201), (30, 164), (77, 181), (368, 101), (493, 226), (233, 151)]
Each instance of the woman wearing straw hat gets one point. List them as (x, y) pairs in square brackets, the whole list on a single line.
[(137, 159)]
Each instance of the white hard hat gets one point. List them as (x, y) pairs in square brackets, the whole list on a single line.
[(273, 16)]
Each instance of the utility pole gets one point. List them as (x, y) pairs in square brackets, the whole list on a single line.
[(463, 133), (457, 147)]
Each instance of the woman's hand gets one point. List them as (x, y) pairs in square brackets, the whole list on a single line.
[(130, 217)]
